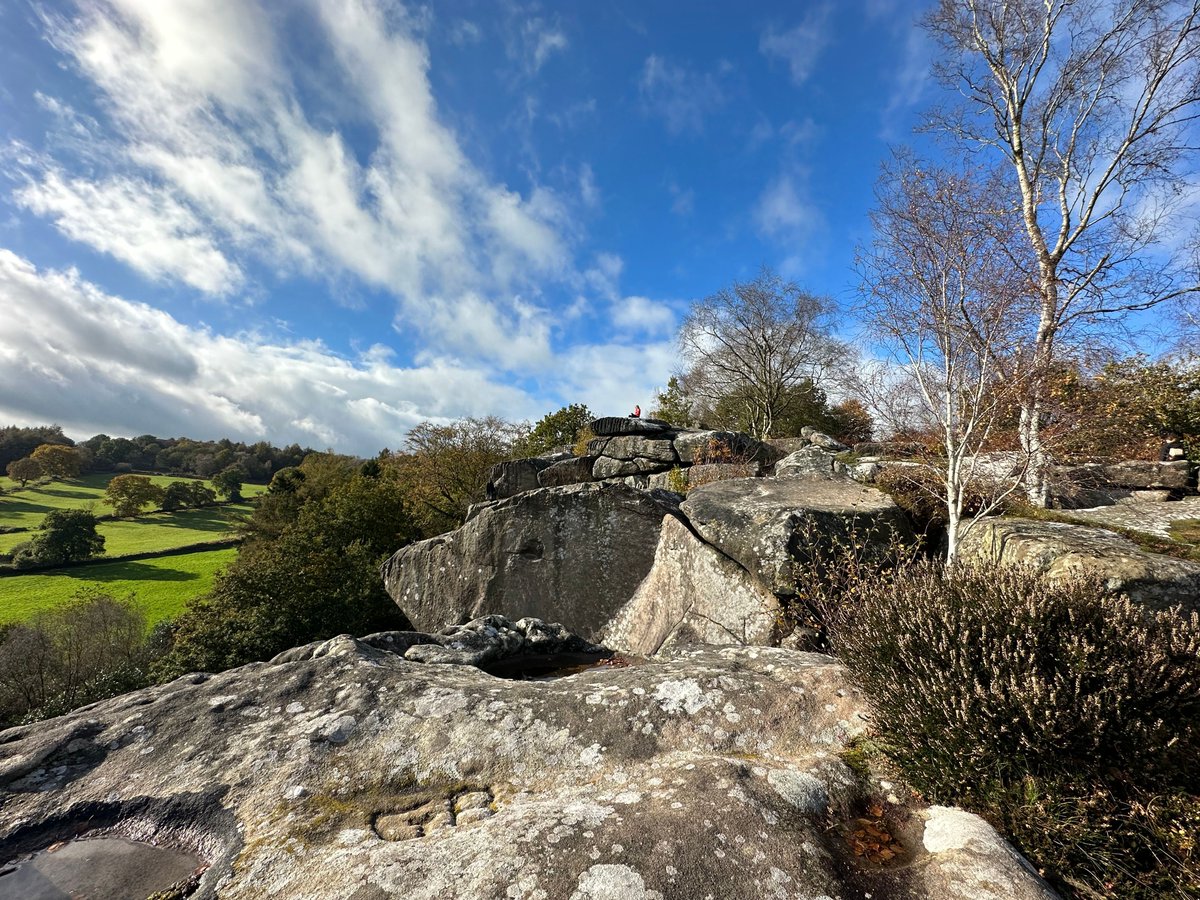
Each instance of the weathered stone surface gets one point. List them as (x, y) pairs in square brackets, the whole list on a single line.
[(709, 472), (570, 554), (687, 443), (634, 446), (693, 595), (788, 445), (714, 772), (1145, 475), (1101, 484), (1149, 517), (674, 479), (607, 467), (513, 476), (1058, 550), (577, 470), (825, 442), (765, 523), (486, 640), (613, 425), (865, 470), (810, 462), (972, 860)]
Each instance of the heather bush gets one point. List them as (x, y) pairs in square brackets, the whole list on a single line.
[(993, 673), (1068, 718)]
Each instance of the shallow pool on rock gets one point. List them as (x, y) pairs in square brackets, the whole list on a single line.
[(105, 868), (552, 666)]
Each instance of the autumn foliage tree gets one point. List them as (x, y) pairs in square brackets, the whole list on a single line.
[(445, 468), (25, 470), (57, 461)]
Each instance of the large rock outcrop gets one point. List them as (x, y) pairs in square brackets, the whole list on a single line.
[(1059, 550), (765, 524), (694, 595), (572, 554), (1100, 484), (345, 771)]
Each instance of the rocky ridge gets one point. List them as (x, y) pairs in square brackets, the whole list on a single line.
[(344, 770)]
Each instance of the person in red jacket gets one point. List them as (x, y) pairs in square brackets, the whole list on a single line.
[(637, 412)]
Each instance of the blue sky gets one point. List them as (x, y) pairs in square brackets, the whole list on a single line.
[(324, 221)]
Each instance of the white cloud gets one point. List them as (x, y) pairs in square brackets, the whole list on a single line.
[(642, 315), (784, 210), (604, 275), (611, 378), (73, 354), (911, 79), (206, 109), (800, 46), (139, 224), (682, 97), (464, 33), (542, 41)]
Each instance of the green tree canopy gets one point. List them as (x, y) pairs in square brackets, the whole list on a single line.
[(317, 578), (65, 536), (674, 405), (127, 494), (229, 482), (556, 429)]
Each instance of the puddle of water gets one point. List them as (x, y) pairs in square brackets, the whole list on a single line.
[(553, 665), (97, 869)]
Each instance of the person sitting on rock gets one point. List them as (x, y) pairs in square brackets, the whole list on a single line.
[(637, 412), (1172, 448)]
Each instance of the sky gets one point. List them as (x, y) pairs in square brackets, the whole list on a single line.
[(325, 221)]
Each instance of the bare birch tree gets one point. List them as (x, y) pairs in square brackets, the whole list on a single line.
[(941, 296), (1092, 105), (754, 343)]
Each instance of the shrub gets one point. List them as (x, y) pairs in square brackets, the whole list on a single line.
[(89, 648), (585, 437), (920, 491), (1068, 718), (994, 671), (65, 536)]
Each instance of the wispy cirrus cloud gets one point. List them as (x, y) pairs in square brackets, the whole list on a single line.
[(682, 97), (800, 46), (144, 226), (215, 160)]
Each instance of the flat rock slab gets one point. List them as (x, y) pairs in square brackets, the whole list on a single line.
[(1154, 517), (693, 595), (1059, 550), (350, 772), (614, 425), (572, 554), (765, 524)]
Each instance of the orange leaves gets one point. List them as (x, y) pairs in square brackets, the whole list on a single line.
[(872, 839)]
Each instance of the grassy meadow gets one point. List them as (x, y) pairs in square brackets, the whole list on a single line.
[(162, 586)]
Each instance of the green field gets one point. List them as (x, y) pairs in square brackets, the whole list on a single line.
[(157, 531), (26, 507), (162, 586)]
